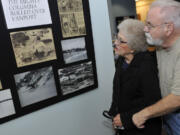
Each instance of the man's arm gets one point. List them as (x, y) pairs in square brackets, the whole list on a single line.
[(165, 105)]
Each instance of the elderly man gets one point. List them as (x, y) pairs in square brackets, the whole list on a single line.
[(163, 30)]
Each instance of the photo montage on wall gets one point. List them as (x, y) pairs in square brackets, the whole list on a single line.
[(46, 53)]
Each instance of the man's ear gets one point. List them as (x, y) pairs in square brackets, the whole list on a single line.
[(169, 28)]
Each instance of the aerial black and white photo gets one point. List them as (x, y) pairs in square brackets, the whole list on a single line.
[(76, 77), (74, 50), (6, 103), (33, 46), (35, 86)]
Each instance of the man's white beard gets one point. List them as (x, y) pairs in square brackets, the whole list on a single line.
[(151, 41)]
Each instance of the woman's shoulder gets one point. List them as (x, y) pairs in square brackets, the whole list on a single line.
[(118, 61)]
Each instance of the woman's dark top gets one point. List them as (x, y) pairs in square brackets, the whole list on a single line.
[(134, 88)]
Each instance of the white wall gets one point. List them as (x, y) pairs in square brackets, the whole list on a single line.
[(80, 115)]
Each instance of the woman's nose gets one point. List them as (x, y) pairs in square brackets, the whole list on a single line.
[(146, 29)]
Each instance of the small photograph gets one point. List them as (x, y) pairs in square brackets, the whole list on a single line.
[(6, 103), (0, 85), (74, 50), (35, 86), (33, 46), (76, 77)]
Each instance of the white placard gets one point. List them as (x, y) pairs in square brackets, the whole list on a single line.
[(25, 13)]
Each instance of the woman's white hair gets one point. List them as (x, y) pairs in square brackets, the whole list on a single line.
[(133, 31), (170, 10)]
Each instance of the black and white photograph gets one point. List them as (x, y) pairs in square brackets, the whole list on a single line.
[(33, 46), (35, 86), (74, 50), (76, 77), (25, 13), (6, 103)]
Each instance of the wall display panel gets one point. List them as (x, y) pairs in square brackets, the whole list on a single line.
[(46, 63), (74, 50), (72, 17), (33, 46), (24, 13)]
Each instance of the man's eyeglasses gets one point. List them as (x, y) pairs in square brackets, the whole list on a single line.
[(150, 26)]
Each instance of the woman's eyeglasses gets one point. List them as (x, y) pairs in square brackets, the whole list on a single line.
[(119, 40)]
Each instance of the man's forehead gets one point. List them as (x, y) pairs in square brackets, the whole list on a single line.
[(154, 11), (154, 14)]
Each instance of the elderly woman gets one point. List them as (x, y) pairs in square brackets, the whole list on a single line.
[(135, 82)]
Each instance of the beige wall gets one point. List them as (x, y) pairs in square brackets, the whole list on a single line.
[(142, 7)]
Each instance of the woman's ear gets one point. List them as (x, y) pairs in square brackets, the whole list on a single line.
[(132, 51)]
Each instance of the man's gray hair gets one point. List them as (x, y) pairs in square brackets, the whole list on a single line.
[(133, 31), (170, 10)]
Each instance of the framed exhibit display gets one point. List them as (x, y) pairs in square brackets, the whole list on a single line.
[(46, 54)]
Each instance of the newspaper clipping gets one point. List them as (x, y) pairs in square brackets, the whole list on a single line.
[(33, 46), (71, 18)]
